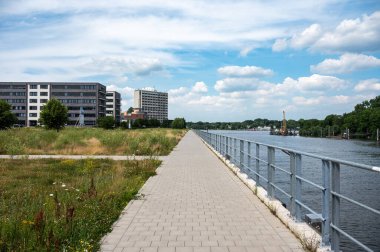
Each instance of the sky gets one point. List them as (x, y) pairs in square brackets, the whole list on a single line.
[(219, 60)]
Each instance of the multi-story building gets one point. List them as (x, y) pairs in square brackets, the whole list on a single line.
[(154, 103), (28, 98), (16, 95), (113, 105)]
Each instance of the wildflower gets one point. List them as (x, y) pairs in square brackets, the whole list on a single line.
[(63, 185), (51, 195), (54, 183), (66, 189)]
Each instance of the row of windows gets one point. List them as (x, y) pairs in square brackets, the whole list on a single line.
[(35, 86), (36, 93), (20, 114), (74, 94), (86, 87), (13, 86), (18, 107), (84, 108), (12, 93), (36, 100), (78, 101), (14, 100)]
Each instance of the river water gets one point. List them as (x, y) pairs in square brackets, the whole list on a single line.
[(358, 184)]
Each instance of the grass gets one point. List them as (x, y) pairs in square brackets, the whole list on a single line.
[(65, 205), (89, 141)]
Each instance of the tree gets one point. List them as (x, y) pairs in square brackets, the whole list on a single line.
[(7, 119), (54, 115), (179, 123), (106, 122), (130, 110)]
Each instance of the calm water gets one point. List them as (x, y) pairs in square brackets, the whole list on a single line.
[(358, 184)]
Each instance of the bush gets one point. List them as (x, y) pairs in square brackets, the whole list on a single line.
[(54, 115), (106, 122), (7, 119), (179, 123)]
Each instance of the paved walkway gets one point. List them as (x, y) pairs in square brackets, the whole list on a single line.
[(196, 204), (113, 157)]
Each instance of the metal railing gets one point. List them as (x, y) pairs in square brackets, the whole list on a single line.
[(237, 150)]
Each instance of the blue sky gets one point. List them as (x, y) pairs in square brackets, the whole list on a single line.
[(226, 60)]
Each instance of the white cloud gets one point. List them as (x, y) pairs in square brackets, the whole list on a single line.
[(350, 35), (280, 45), (306, 37), (245, 51), (347, 63), (369, 85), (245, 71), (199, 87), (353, 35), (236, 84), (314, 82)]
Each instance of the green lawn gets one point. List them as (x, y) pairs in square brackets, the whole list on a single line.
[(89, 141), (64, 205)]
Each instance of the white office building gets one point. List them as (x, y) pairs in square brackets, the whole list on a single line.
[(154, 103), (113, 105)]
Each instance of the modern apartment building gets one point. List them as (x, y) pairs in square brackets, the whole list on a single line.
[(28, 98), (113, 104), (154, 103)]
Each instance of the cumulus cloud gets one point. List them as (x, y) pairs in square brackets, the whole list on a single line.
[(350, 35), (245, 71), (369, 85), (314, 82), (353, 35), (306, 37), (347, 63), (199, 87)]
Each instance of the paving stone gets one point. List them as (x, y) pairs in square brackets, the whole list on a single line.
[(195, 203)]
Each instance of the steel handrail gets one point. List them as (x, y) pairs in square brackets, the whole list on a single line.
[(227, 145)]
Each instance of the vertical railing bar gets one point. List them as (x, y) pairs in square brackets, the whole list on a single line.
[(257, 164), (241, 156), (335, 217), (293, 181), (249, 156), (271, 161), (298, 191), (326, 203)]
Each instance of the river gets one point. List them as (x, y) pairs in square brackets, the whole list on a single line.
[(358, 184)]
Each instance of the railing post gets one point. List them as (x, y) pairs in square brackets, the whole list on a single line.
[(249, 157), (241, 161), (257, 164), (292, 206), (235, 147), (326, 203), (335, 218), (271, 172), (298, 186)]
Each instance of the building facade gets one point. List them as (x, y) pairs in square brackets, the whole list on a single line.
[(113, 104), (28, 98), (153, 103)]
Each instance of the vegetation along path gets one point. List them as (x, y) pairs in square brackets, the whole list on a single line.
[(196, 204)]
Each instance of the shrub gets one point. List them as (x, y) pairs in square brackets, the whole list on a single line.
[(54, 115), (179, 123), (106, 122), (7, 119)]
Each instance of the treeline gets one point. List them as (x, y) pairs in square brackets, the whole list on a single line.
[(362, 123)]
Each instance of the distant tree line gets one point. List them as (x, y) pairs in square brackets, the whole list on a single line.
[(362, 123)]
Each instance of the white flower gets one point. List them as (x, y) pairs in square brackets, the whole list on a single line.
[(51, 195), (63, 185)]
